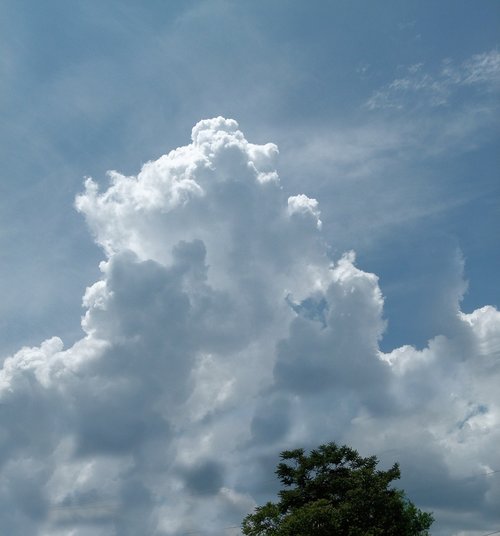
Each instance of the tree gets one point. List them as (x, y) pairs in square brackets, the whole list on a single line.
[(335, 491)]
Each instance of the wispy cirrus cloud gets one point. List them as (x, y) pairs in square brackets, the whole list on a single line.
[(418, 87)]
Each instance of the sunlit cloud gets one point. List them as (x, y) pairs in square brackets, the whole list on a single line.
[(221, 331)]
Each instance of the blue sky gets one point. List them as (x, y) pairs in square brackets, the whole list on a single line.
[(384, 113)]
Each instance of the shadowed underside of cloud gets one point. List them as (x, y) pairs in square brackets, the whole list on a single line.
[(220, 333)]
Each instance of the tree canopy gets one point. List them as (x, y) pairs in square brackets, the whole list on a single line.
[(334, 491)]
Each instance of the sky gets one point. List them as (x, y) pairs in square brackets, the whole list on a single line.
[(231, 228)]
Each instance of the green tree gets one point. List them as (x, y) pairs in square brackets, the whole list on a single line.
[(335, 491)]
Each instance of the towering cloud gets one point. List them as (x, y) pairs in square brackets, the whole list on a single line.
[(220, 333)]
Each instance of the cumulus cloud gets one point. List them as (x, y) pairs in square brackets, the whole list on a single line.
[(220, 333), (304, 206)]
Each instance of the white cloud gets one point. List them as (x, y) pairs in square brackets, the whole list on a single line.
[(220, 333), (304, 206), (418, 87)]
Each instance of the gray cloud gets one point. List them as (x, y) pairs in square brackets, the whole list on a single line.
[(220, 332), (205, 478)]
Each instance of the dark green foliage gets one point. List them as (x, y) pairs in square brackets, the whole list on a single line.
[(334, 491)]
